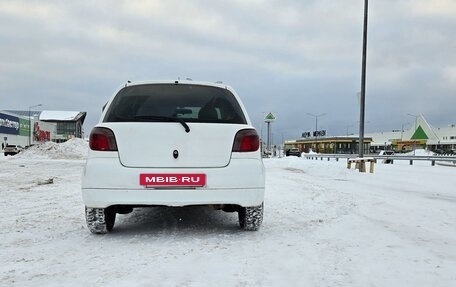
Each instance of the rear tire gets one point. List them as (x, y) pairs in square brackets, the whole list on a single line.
[(250, 218), (100, 220)]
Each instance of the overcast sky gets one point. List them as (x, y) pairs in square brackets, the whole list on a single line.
[(287, 57)]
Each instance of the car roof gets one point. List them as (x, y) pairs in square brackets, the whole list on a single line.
[(184, 82)]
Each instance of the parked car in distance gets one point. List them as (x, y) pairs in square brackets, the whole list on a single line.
[(173, 143), (294, 152), (387, 152), (12, 149)]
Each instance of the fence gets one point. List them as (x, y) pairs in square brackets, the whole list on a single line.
[(387, 158)]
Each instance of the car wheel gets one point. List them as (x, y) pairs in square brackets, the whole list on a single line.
[(100, 220), (250, 218)]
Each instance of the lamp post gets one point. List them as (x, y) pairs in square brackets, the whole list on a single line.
[(402, 130), (414, 140), (363, 88), (30, 123), (316, 128)]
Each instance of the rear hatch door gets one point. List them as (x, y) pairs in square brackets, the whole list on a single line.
[(151, 145)]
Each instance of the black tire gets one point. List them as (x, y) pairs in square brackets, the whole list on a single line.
[(250, 218), (100, 220)]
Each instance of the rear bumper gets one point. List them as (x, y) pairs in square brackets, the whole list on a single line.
[(102, 198), (106, 182)]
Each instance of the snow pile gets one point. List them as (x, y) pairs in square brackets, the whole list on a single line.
[(420, 152), (311, 152), (72, 149)]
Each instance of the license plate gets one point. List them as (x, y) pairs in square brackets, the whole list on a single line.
[(170, 180)]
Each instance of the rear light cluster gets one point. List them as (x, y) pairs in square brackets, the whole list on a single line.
[(102, 139), (246, 141)]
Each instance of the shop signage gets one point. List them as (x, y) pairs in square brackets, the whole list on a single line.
[(9, 124), (321, 133), (24, 127)]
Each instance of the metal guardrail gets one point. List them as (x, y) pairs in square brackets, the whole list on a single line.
[(386, 158)]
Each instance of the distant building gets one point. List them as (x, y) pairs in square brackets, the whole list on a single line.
[(420, 135), (14, 129), (29, 127), (69, 123), (333, 145)]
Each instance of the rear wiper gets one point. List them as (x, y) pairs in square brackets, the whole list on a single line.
[(163, 118)]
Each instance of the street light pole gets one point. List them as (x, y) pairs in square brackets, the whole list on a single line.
[(316, 126), (363, 88), (30, 123), (414, 140), (402, 130)]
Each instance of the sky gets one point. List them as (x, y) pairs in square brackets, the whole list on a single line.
[(292, 58)]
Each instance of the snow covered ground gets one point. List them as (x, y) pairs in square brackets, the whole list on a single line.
[(324, 225)]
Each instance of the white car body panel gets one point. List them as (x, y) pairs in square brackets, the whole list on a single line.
[(106, 182), (206, 145)]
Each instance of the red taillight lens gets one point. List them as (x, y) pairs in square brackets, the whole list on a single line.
[(102, 139), (246, 141)]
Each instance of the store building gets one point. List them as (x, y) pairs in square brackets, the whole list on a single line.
[(329, 145), (68, 124), (29, 127), (419, 135), (14, 129)]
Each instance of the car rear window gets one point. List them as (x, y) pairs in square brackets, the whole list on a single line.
[(192, 103)]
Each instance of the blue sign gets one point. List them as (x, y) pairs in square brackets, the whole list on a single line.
[(9, 124)]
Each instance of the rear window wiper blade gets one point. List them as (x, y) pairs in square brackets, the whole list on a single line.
[(163, 118)]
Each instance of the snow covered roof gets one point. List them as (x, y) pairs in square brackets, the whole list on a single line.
[(24, 114), (61, 116)]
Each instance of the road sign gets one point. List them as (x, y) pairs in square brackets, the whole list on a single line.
[(270, 117)]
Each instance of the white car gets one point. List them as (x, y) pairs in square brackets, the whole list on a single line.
[(12, 149), (173, 143)]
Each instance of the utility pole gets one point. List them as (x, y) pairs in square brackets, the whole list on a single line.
[(362, 167), (316, 128)]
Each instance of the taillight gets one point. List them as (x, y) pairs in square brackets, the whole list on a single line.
[(102, 139), (246, 140)]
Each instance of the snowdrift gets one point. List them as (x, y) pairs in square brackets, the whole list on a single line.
[(72, 149)]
